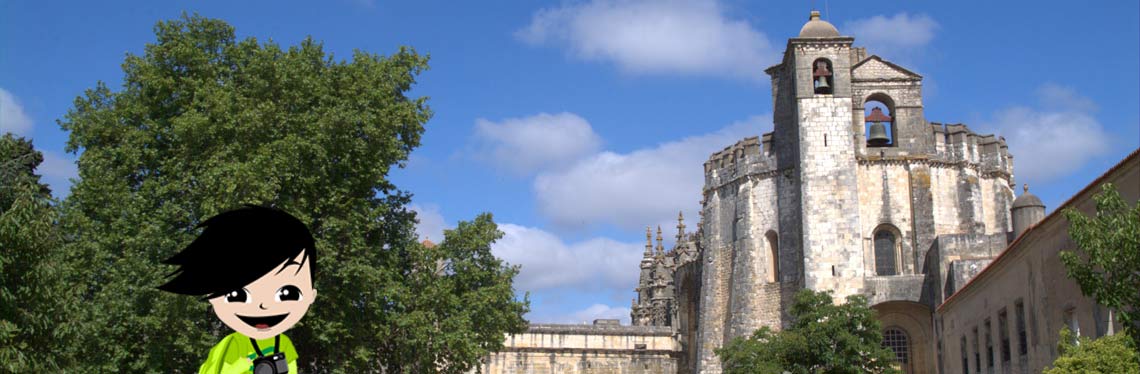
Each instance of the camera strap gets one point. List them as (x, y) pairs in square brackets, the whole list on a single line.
[(276, 345)]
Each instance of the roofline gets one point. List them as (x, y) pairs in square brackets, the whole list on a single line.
[(1056, 213), (841, 39), (891, 64)]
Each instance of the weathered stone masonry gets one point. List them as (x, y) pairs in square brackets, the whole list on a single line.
[(817, 190), (905, 215)]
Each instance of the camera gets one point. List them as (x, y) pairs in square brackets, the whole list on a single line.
[(272, 364)]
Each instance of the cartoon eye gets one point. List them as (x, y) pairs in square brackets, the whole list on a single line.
[(238, 296), (289, 293)]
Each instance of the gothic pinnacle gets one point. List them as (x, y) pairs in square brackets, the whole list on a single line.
[(648, 241), (660, 248), (680, 226)]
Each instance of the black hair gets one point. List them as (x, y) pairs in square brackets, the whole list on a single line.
[(238, 247)]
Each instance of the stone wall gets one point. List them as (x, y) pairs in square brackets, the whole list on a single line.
[(581, 349), (822, 193), (1027, 282), (832, 245)]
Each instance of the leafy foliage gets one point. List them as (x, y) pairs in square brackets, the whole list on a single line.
[(1105, 266), (18, 162), (1110, 354), (204, 123), (28, 286), (823, 338)]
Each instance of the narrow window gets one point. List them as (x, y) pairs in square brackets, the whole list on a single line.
[(965, 359), (886, 261), (989, 344), (977, 353), (773, 257), (1022, 346), (1071, 321), (1003, 333)]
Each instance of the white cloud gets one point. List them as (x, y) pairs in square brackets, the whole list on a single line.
[(897, 34), (597, 264), (524, 145), (590, 313), (643, 187), (12, 116), (431, 222), (657, 37), (1053, 142), (1060, 97), (57, 171)]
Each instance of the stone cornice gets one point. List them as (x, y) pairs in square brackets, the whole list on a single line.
[(593, 351), (754, 176), (599, 330), (910, 160)]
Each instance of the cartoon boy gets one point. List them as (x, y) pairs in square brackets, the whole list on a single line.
[(255, 265)]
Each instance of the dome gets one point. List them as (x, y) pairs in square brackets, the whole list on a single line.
[(817, 28), (1027, 200)]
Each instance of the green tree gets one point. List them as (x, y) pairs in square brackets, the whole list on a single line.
[(823, 338), (203, 123), (18, 163), (1108, 256), (28, 287), (1110, 354)]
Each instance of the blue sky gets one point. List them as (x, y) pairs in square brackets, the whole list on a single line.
[(578, 123)]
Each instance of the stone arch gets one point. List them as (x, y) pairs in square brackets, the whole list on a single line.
[(688, 281), (887, 249), (773, 240), (885, 106), (914, 321)]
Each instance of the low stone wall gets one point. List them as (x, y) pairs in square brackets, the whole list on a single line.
[(603, 347)]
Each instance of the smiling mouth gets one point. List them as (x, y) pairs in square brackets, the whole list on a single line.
[(263, 323)]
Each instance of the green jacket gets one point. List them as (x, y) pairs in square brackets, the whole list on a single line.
[(234, 355)]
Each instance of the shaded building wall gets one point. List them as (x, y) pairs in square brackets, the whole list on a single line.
[(1029, 273)]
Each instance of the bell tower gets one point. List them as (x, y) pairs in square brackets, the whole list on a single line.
[(816, 146)]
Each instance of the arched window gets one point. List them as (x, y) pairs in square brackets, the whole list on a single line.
[(879, 121), (886, 251), (773, 257), (822, 76), (896, 339)]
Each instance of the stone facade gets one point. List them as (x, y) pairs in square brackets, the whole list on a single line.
[(604, 347), (1025, 286), (905, 213), (842, 213)]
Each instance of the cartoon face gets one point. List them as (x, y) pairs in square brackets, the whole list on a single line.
[(271, 304)]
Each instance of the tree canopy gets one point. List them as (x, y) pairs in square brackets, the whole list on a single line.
[(823, 338), (204, 122), (28, 274), (1109, 354), (1108, 255)]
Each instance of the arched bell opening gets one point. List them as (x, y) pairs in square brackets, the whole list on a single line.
[(822, 76), (879, 111)]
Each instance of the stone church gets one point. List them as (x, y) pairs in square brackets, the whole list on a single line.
[(854, 192)]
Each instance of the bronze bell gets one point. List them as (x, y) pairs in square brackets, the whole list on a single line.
[(820, 74), (821, 84), (877, 137)]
